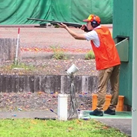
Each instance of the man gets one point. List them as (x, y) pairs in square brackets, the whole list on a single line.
[(107, 60)]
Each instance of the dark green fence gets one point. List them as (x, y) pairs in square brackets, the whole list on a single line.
[(17, 11)]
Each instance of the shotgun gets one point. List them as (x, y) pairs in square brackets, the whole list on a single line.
[(76, 25)]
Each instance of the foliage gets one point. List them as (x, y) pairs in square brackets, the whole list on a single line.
[(90, 55), (55, 128), (17, 67), (58, 53), (22, 65)]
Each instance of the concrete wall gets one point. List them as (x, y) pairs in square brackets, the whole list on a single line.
[(46, 83), (7, 49)]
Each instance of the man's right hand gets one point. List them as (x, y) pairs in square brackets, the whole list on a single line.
[(84, 27)]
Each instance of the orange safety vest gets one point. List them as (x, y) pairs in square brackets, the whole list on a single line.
[(106, 54)]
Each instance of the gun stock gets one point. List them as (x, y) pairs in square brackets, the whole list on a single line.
[(76, 25)]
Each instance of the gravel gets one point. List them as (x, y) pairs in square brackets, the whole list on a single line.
[(45, 38)]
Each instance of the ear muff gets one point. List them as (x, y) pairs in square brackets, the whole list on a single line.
[(95, 22)]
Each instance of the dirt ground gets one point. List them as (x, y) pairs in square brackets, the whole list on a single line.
[(38, 42), (44, 37)]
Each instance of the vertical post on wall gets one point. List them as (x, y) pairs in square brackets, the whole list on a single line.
[(17, 47), (134, 72)]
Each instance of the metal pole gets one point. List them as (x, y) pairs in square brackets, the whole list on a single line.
[(134, 72)]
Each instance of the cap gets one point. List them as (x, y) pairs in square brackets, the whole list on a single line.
[(92, 17)]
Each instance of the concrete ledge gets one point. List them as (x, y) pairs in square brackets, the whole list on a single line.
[(47, 83), (7, 49), (19, 26), (49, 55)]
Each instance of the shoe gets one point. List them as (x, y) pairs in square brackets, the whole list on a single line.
[(96, 112), (110, 112)]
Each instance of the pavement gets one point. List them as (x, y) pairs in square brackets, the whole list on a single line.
[(33, 40), (124, 125), (121, 121)]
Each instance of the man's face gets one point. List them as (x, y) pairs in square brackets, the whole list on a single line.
[(89, 26)]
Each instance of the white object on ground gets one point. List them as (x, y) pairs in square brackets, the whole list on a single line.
[(72, 69), (62, 107)]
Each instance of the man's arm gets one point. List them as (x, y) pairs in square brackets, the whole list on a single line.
[(72, 33)]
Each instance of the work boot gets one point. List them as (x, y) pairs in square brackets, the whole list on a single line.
[(110, 111), (96, 112)]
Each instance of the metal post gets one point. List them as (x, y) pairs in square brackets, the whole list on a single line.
[(73, 100), (134, 72)]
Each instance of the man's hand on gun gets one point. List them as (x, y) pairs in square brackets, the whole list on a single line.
[(83, 27), (61, 25)]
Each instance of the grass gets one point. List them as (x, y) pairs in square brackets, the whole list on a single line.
[(58, 53), (55, 128), (90, 55), (21, 66)]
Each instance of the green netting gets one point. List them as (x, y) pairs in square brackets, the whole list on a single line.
[(102, 8), (61, 11), (17, 11)]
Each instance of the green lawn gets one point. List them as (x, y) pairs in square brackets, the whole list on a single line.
[(55, 128)]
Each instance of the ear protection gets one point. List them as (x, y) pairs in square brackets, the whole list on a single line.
[(95, 22)]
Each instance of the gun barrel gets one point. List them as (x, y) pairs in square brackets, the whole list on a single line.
[(77, 25)]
